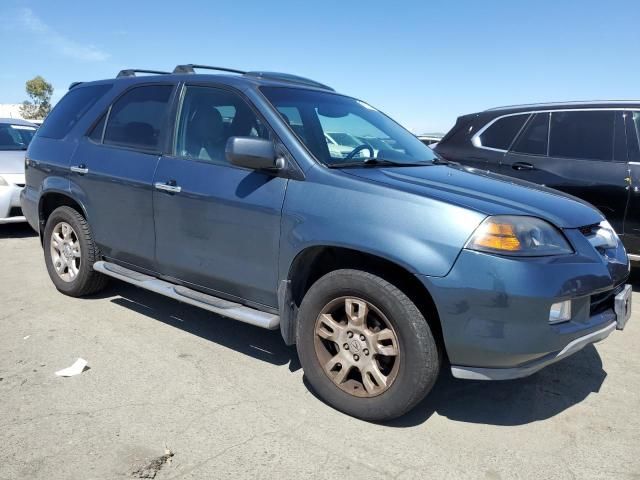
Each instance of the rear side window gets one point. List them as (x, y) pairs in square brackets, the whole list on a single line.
[(70, 109), (137, 118), (619, 138), (633, 135), (502, 132), (533, 140), (585, 135)]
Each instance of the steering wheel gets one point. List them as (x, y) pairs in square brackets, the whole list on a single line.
[(358, 149)]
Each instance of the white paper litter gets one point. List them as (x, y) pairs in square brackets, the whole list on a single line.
[(76, 369), (27, 337)]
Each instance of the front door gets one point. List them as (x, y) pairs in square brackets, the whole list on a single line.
[(582, 153), (218, 228), (632, 219), (112, 173)]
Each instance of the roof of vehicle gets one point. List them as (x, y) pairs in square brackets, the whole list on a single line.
[(565, 105), (18, 121), (229, 76)]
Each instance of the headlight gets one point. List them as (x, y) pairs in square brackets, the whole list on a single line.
[(3, 182), (518, 236), (603, 237)]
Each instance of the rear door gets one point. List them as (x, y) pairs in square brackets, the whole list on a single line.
[(580, 152), (112, 173)]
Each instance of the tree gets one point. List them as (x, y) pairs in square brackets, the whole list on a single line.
[(39, 105)]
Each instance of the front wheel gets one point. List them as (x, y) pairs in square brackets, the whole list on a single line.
[(70, 252), (364, 346)]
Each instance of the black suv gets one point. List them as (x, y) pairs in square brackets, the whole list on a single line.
[(587, 149)]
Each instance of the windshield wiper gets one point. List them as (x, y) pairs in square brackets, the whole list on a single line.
[(376, 162), (444, 161)]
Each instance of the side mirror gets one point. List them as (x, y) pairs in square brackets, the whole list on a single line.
[(252, 152)]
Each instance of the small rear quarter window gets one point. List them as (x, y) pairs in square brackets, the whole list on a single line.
[(71, 109)]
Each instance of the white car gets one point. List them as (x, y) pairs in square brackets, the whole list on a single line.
[(15, 136), (341, 144)]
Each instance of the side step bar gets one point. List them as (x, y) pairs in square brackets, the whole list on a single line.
[(213, 304)]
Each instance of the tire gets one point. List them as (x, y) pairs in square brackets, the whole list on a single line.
[(379, 386), (72, 274)]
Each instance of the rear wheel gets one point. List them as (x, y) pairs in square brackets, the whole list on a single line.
[(70, 253), (365, 347)]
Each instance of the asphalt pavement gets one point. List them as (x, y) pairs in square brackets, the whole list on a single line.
[(172, 391)]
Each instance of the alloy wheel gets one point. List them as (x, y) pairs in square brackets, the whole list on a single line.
[(357, 346), (65, 251)]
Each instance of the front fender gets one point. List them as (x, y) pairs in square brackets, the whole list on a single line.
[(420, 234)]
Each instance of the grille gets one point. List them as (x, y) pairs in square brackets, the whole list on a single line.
[(15, 212), (602, 302)]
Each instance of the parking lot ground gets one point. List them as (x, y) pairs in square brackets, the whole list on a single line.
[(229, 400)]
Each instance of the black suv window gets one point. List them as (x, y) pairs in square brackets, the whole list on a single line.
[(137, 118), (70, 109), (582, 134), (633, 135), (208, 117), (533, 140), (501, 133)]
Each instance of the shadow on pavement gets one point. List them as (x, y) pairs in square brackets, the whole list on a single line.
[(17, 230), (265, 345), (517, 402)]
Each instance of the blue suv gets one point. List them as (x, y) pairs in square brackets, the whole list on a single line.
[(382, 264)]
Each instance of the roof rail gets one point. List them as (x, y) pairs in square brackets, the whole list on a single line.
[(287, 77), (560, 104), (131, 72), (190, 68), (283, 77), (74, 84)]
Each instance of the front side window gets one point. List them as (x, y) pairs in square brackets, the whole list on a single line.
[(70, 109), (533, 140), (501, 133), (15, 137), (208, 118), (137, 118), (582, 135), (341, 131)]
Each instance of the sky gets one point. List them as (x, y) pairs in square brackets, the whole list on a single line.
[(424, 63)]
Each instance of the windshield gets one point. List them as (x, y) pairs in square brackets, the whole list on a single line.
[(15, 137), (360, 131), (344, 139)]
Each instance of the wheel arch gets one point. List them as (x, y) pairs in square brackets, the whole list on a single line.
[(52, 199), (316, 261)]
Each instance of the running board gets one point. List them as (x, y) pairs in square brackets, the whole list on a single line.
[(213, 304)]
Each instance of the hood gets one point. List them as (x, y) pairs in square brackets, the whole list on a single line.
[(12, 161), (485, 192)]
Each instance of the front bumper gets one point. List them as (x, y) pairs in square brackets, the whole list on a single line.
[(494, 310), (479, 373), (10, 209)]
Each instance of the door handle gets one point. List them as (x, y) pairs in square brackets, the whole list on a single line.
[(81, 169), (522, 166), (169, 186)]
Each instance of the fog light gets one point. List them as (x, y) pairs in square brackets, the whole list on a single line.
[(560, 312)]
